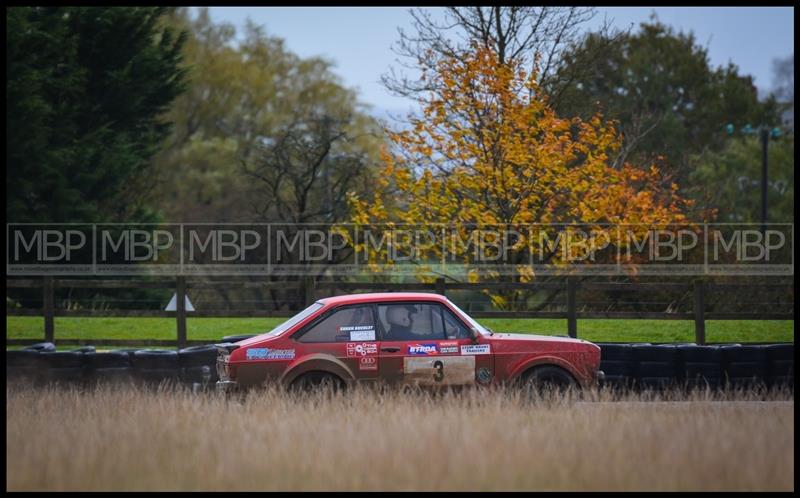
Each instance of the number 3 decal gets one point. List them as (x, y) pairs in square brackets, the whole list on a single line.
[(439, 375)]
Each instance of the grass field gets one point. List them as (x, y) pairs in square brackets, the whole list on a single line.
[(130, 439), (212, 329)]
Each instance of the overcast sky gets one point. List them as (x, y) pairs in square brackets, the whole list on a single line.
[(358, 39)]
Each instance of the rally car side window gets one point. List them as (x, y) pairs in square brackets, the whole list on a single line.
[(454, 328), (351, 323), (410, 321)]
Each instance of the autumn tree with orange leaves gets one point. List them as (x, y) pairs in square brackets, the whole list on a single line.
[(487, 151)]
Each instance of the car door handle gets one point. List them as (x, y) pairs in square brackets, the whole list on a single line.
[(390, 350)]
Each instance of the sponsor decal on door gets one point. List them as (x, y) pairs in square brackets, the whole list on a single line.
[(363, 349), (448, 347), (476, 349), (423, 349), (368, 363)]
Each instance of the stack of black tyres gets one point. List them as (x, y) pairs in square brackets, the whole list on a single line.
[(70, 367), (655, 366), (198, 364), (615, 362), (24, 365), (153, 366), (701, 366), (110, 366), (744, 366), (780, 365)]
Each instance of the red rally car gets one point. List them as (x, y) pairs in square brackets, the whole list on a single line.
[(408, 338)]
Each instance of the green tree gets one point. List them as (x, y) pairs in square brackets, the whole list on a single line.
[(246, 95), (85, 91), (732, 178), (670, 103)]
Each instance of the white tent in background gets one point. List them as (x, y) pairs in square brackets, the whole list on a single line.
[(173, 303)]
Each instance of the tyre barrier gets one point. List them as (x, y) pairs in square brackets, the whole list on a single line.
[(152, 366), (110, 366), (701, 366), (640, 366), (24, 364), (726, 366), (744, 366), (615, 362), (780, 365), (64, 366), (198, 364), (655, 366)]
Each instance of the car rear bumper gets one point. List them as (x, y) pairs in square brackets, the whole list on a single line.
[(226, 386)]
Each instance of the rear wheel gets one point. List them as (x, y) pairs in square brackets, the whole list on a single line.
[(318, 382)]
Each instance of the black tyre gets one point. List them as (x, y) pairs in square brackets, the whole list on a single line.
[(23, 358), (120, 375), (744, 354), (780, 365), (663, 353), (85, 349), (42, 346), (24, 366), (65, 375), (198, 356), (148, 359), (63, 359), (547, 379), (615, 352), (318, 382), (156, 375), (699, 354), (109, 359), (203, 374), (616, 368)]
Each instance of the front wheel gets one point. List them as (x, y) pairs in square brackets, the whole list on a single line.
[(547, 380)]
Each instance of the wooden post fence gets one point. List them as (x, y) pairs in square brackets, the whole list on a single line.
[(48, 309), (180, 310), (572, 308), (699, 312), (440, 286), (307, 289)]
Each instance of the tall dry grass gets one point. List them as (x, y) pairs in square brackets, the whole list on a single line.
[(134, 439)]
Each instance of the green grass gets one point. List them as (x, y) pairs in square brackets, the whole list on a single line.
[(212, 329)]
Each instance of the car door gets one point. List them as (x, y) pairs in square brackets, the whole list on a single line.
[(347, 333), (422, 345)]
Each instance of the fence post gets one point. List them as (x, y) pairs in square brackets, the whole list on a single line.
[(440, 286), (48, 309), (180, 309), (572, 308), (309, 290), (699, 312)]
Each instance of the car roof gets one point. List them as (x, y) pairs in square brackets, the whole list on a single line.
[(383, 296)]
